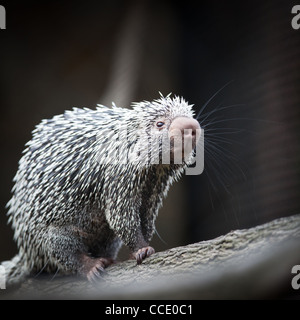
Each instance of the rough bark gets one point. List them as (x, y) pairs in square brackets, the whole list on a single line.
[(243, 264)]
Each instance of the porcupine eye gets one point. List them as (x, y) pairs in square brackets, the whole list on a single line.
[(160, 124)]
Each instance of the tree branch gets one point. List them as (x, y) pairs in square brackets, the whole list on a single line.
[(250, 263)]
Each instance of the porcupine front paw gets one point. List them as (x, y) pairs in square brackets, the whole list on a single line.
[(143, 253), (93, 268)]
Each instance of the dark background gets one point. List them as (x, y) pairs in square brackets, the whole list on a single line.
[(58, 54)]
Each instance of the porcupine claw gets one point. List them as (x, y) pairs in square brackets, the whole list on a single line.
[(143, 253), (98, 268)]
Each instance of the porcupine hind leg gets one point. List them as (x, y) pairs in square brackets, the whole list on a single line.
[(93, 268), (68, 252)]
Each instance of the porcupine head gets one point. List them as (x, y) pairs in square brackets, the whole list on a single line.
[(90, 180)]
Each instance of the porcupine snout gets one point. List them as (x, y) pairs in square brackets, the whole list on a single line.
[(184, 134)]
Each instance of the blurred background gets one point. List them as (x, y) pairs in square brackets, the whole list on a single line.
[(55, 55)]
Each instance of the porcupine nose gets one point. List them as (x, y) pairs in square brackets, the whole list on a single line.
[(189, 128), (184, 134)]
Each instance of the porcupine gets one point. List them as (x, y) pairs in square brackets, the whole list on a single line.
[(90, 180)]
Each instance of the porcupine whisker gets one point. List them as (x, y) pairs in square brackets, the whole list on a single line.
[(43, 268), (216, 120), (241, 119), (219, 137), (210, 196), (216, 150), (214, 138), (223, 175), (218, 134), (226, 135), (222, 160), (220, 179), (221, 172), (225, 140), (228, 120), (211, 98), (211, 184), (55, 274), (212, 145), (222, 131), (160, 238), (222, 163), (219, 108)]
